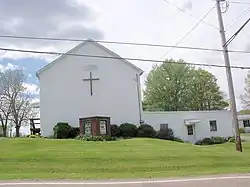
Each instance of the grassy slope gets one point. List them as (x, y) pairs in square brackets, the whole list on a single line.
[(140, 158)]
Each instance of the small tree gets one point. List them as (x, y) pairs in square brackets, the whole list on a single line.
[(5, 113), (128, 130), (15, 101), (146, 131), (22, 111)]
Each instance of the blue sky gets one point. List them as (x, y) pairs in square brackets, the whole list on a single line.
[(30, 66)]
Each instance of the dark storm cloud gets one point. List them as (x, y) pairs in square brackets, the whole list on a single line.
[(46, 18)]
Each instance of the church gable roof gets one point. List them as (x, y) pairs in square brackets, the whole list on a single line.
[(81, 45)]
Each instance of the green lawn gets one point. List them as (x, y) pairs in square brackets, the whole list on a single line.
[(134, 158)]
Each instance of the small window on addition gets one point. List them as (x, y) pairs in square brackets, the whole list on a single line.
[(190, 130), (246, 123), (163, 126), (213, 125)]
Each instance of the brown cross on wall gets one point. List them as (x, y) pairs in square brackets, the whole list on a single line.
[(91, 79)]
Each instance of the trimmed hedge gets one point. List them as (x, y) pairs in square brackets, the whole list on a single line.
[(165, 134), (62, 130), (128, 130), (96, 138), (74, 132), (115, 131), (146, 131), (211, 141)]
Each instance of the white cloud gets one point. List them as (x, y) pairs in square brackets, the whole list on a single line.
[(7, 67), (31, 88), (63, 19), (29, 75)]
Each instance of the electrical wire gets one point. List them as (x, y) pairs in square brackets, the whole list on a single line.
[(240, 16), (122, 43), (108, 57), (189, 32), (180, 9), (240, 2)]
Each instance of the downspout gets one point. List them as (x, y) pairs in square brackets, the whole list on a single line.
[(139, 97)]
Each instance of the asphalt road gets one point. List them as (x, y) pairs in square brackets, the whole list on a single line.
[(228, 181)]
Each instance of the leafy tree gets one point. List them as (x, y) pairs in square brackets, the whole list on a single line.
[(204, 93), (245, 98), (177, 86), (243, 112)]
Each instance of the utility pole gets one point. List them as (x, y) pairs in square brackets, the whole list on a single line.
[(229, 78)]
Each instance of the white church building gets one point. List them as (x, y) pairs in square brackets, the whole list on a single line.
[(85, 85)]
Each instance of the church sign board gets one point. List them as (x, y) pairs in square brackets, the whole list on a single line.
[(95, 126)]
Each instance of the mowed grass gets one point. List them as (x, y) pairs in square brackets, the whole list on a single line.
[(134, 158)]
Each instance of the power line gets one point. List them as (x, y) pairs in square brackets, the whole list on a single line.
[(240, 2), (180, 9), (190, 31), (122, 43), (235, 21), (107, 57), (238, 31)]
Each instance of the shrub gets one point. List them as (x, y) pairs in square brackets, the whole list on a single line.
[(128, 130), (166, 134), (242, 130), (34, 136), (96, 138), (178, 140), (115, 131), (146, 131), (211, 141), (62, 130), (232, 140), (74, 132), (218, 140)]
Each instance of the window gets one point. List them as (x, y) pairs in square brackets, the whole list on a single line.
[(213, 125), (246, 123), (190, 130), (163, 126)]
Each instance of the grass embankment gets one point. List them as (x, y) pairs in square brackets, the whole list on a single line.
[(135, 158)]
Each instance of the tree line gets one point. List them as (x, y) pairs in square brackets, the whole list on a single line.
[(15, 100), (177, 86)]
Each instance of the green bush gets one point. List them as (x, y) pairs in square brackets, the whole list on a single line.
[(62, 130), (165, 134), (115, 131), (128, 130), (146, 131), (211, 141), (96, 138), (178, 140), (74, 132), (218, 140), (242, 130), (34, 136), (231, 139)]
